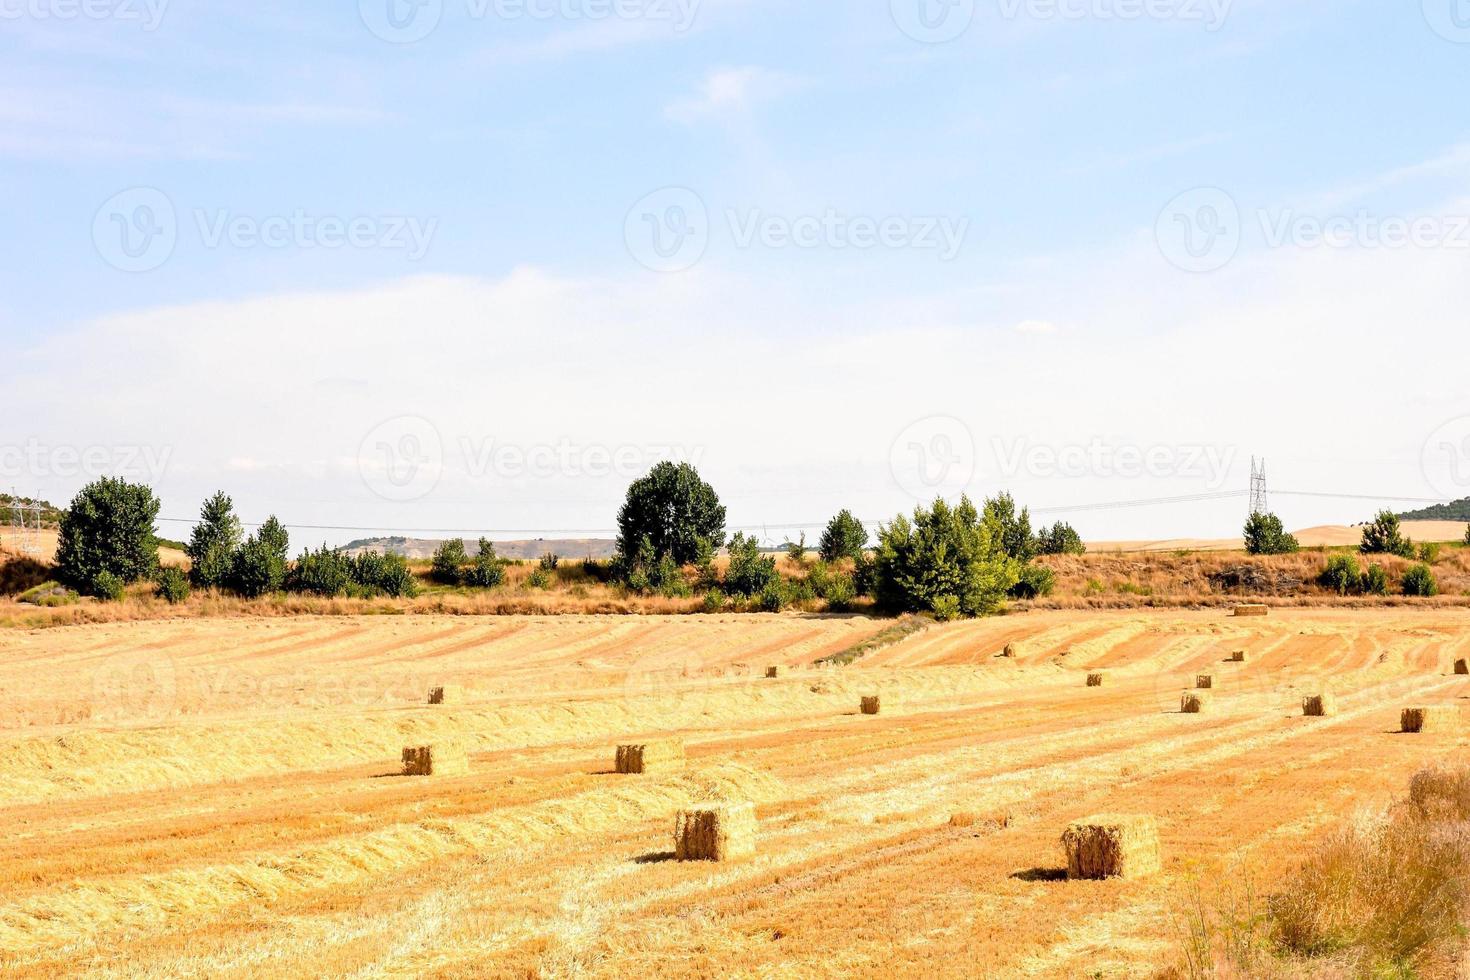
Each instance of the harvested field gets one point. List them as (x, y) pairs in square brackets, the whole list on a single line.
[(221, 797)]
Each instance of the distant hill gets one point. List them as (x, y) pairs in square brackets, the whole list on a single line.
[(425, 547), (1459, 510)]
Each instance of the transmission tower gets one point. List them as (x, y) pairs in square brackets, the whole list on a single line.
[(25, 525), (1258, 487)]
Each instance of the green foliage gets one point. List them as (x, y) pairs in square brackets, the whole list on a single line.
[(50, 595), (1467, 535), (1375, 580), (539, 578), (488, 569), (323, 572), (774, 597), (1384, 537), (257, 569), (865, 574), (1035, 581), (1060, 539), (945, 551), (1015, 528), (844, 537), (1429, 552), (108, 528), (213, 542), (172, 585), (449, 561), (946, 608), (107, 586), (273, 536), (1265, 535), (796, 550), (1343, 575), (374, 574), (549, 561), (1419, 580), (750, 573), (673, 510), (714, 601)]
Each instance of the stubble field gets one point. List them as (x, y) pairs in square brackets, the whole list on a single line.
[(220, 797)]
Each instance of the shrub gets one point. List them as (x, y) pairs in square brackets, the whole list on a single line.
[(1343, 575), (749, 572), (1034, 581), (714, 601), (375, 574), (107, 586), (1060, 539), (549, 561), (449, 561), (944, 551), (1467, 535), (773, 597), (796, 550), (488, 569), (172, 585), (1384, 537), (1419, 580), (673, 510), (108, 528), (1429, 552), (844, 537), (1375, 581), (323, 572), (1015, 529), (1265, 535), (257, 569), (213, 542), (539, 578), (946, 607), (865, 575), (840, 593)]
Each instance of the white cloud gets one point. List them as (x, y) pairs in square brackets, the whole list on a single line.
[(1036, 327), (729, 91)]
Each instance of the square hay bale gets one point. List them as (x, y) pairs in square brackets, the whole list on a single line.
[(1193, 702), (1096, 678), (871, 704), (1205, 682), (448, 694), (715, 832), (648, 757), (1252, 609), (1462, 666), (1322, 705), (1237, 657), (775, 670), (1112, 846), (439, 759), (1439, 718)]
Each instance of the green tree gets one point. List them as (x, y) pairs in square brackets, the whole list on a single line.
[(750, 573), (1419, 580), (257, 569), (1343, 575), (1060, 539), (946, 556), (488, 569), (1384, 537), (449, 561), (796, 550), (844, 537), (108, 528), (674, 510), (1265, 535), (273, 535), (324, 572), (1015, 528), (213, 542), (172, 585)]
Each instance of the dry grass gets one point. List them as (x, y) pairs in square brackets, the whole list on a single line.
[(1112, 846), (716, 832)]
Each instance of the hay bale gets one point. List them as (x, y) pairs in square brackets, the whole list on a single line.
[(1205, 682), (1096, 678), (1112, 846), (1192, 703), (1252, 609), (774, 671), (448, 694), (870, 704), (1322, 705), (1439, 718), (1462, 666), (1009, 652), (715, 832), (649, 757), (1238, 657), (439, 759)]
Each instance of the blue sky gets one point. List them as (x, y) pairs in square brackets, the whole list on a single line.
[(1027, 175)]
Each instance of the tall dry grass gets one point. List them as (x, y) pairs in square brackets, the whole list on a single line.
[(1383, 895)]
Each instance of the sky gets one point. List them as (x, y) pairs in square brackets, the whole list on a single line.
[(463, 266)]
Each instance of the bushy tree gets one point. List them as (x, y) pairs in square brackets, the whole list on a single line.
[(1265, 535), (796, 550), (107, 586), (1015, 527), (1060, 539), (844, 537), (172, 585), (1343, 575), (1034, 582), (488, 570), (674, 510), (1384, 537), (273, 535), (257, 569), (945, 557), (213, 542), (324, 572), (1375, 580), (1429, 552), (108, 528), (750, 573), (1419, 580), (449, 561), (379, 573)]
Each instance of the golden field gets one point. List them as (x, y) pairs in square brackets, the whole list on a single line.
[(220, 797)]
